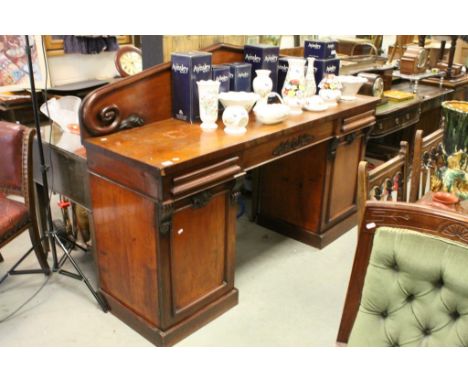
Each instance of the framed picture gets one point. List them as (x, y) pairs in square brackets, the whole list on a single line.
[(14, 72)]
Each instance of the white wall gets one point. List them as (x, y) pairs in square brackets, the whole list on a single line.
[(70, 68)]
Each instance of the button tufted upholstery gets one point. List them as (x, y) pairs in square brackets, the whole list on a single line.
[(415, 292)]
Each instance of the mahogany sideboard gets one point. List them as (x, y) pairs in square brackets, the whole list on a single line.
[(164, 195)]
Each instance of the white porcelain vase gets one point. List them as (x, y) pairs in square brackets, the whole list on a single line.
[(293, 91), (208, 91), (262, 84), (310, 85), (235, 118)]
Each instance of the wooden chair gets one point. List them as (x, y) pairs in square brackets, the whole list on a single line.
[(386, 182), (408, 285), (16, 179), (426, 158)]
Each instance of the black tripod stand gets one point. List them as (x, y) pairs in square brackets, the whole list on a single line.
[(51, 233)]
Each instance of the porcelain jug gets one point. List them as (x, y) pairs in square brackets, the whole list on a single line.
[(293, 91)]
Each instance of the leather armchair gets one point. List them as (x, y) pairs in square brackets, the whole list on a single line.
[(409, 284), (16, 179)]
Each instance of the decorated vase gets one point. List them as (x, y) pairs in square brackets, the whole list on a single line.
[(235, 118), (452, 173), (208, 93), (293, 91), (310, 85), (262, 84)]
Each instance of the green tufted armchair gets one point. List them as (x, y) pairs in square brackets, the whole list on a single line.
[(409, 283)]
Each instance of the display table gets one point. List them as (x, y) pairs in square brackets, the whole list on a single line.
[(164, 195), (397, 121)]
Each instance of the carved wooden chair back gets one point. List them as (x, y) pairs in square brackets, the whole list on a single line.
[(385, 183), (427, 157), (16, 179), (407, 254)]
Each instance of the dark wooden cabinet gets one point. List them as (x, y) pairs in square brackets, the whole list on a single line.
[(164, 195)]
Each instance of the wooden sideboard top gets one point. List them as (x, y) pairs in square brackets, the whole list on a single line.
[(171, 142)]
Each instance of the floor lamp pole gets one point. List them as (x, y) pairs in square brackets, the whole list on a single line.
[(51, 232), (43, 166)]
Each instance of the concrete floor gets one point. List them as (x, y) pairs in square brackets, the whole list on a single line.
[(290, 294)]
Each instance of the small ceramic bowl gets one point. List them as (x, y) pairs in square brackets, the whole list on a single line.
[(351, 86), (244, 99), (269, 114)]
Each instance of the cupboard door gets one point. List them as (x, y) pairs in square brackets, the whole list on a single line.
[(291, 188), (343, 183), (202, 250)]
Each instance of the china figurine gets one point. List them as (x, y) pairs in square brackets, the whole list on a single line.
[(235, 118), (310, 85), (294, 85), (262, 84), (208, 91)]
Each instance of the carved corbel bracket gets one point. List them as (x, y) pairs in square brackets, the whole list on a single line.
[(350, 138), (165, 212), (202, 199), (333, 146), (235, 191)]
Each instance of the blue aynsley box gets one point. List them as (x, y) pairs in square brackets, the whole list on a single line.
[(320, 49), (187, 69), (241, 76), (221, 73), (263, 56), (323, 67)]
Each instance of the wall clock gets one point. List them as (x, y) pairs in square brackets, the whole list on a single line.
[(128, 61)]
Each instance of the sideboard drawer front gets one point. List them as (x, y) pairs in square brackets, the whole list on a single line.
[(358, 121), (287, 144), (396, 121), (208, 176)]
